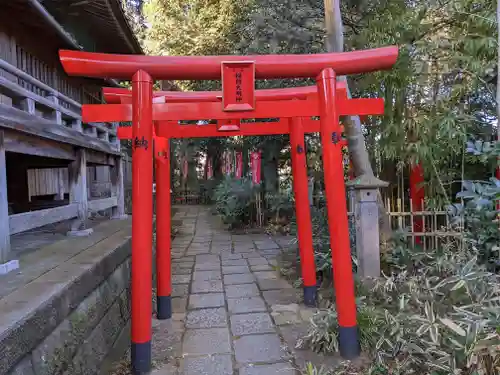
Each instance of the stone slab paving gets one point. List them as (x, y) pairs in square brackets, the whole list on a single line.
[(232, 313)]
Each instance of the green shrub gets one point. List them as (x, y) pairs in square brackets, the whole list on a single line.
[(280, 204), (480, 215), (234, 201), (321, 238), (481, 200), (440, 316), (435, 312), (280, 211), (207, 190)]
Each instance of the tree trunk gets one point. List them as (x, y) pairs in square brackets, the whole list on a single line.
[(270, 164), (192, 159), (214, 152), (246, 161), (352, 124), (335, 43)]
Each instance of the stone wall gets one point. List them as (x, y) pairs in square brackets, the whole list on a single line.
[(81, 340)]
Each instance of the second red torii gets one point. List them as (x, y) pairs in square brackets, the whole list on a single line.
[(271, 103), (115, 95), (210, 110)]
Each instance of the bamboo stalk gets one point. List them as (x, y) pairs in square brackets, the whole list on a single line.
[(424, 238), (389, 209), (399, 210), (411, 223), (435, 230)]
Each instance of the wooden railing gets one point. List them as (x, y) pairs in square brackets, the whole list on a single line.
[(38, 99), (437, 228), (34, 219)]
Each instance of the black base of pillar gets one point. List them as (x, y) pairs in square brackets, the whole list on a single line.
[(163, 307), (349, 342), (141, 358), (310, 295)]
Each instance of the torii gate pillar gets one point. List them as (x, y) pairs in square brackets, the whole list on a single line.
[(163, 229), (337, 215), (142, 221), (303, 210)]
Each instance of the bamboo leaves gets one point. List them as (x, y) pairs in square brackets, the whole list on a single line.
[(440, 316)]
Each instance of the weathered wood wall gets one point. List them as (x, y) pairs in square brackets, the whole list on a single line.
[(45, 150), (49, 181), (54, 181), (40, 60), (7, 53), (32, 80)]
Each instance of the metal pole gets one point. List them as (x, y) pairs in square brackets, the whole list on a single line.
[(337, 215), (163, 228), (303, 210), (142, 221)]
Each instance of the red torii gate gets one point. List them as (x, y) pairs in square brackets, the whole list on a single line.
[(114, 95), (124, 96), (300, 126), (238, 101), (297, 130)]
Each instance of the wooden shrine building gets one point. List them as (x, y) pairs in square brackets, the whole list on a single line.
[(49, 159)]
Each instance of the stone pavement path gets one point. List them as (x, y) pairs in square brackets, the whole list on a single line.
[(232, 314)]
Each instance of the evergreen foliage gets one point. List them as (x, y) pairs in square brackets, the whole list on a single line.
[(435, 312)]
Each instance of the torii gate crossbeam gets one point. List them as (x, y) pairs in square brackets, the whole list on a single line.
[(100, 65)]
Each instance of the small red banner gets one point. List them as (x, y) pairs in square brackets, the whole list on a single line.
[(223, 163), (239, 165), (238, 86), (255, 159), (227, 163)]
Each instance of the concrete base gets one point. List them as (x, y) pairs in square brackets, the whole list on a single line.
[(80, 233), (119, 217), (9, 266), (163, 307), (349, 342), (140, 354), (310, 295)]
